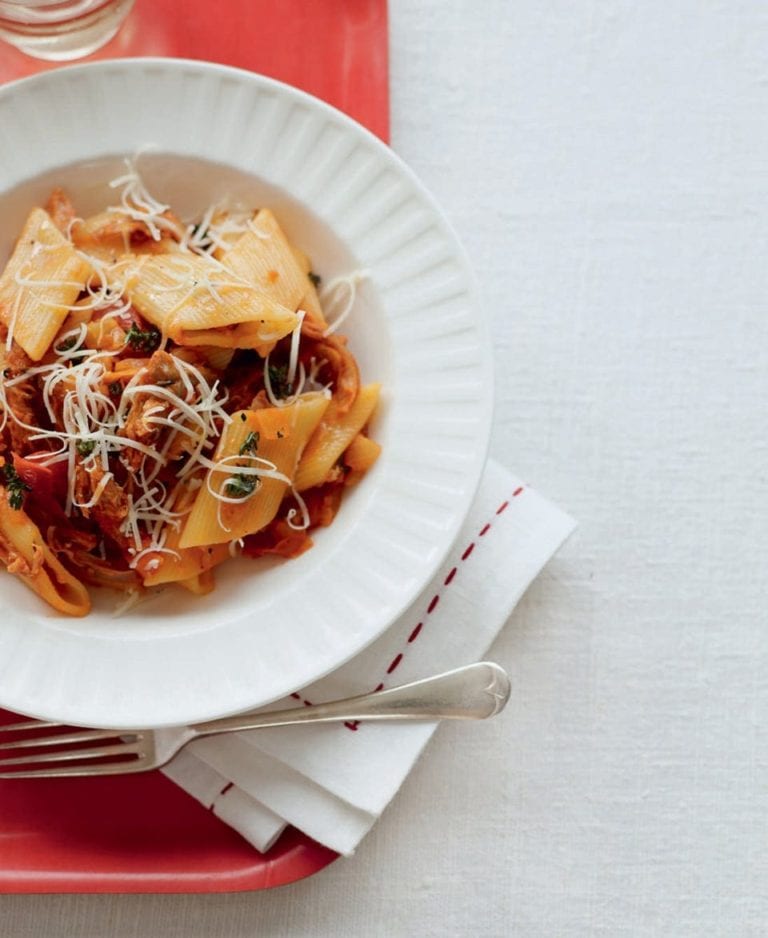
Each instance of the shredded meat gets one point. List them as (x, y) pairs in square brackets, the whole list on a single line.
[(118, 233), (278, 539), (138, 428), (341, 363), (312, 326), (21, 398), (101, 572), (111, 510), (15, 562), (162, 371), (16, 359), (20, 566)]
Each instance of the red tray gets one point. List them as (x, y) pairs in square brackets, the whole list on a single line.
[(334, 49), (143, 833)]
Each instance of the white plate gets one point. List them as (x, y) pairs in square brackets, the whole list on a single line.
[(267, 629)]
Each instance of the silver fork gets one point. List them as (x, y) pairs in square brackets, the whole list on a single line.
[(473, 692)]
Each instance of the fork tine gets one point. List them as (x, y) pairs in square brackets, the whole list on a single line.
[(69, 755), (93, 768), (27, 725), (82, 736)]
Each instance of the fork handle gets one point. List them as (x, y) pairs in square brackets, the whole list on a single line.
[(473, 692)]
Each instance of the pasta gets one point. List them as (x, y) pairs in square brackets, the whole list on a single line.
[(172, 395)]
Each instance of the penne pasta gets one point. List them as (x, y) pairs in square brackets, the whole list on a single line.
[(175, 564), (263, 256), (110, 236), (310, 302), (41, 282), (359, 457), (27, 556), (253, 500), (332, 437), (193, 302), (200, 584)]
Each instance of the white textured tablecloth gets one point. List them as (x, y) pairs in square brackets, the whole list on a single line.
[(606, 165)]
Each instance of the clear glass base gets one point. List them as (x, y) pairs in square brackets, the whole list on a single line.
[(62, 40)]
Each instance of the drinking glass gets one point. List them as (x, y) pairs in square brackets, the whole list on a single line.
[(59, 30)]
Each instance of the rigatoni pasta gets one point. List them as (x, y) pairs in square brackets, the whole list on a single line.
[(194, 303), (44, 276), (171, 396), (261, 446)]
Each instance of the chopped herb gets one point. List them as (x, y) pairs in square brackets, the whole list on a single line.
[(85, 447), (142, 340), (315, 278), (250, 443), (201, 236), (115, 388), (278, 379), (241, 486), (7, 372), (16, 486), (243, 417), (280, 434), (67, 344)]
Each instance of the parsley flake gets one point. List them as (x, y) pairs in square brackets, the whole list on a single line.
[(250, 443), (241, 486), (67, 344), (278, 380), (144, 340), (85, 447), (315, 278), (201, 236), (15, 485)]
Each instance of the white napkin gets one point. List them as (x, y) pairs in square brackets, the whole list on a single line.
[(333, 781)]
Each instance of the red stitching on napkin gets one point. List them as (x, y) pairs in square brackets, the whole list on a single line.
[(354, 724), (223, 791), (415, 633)]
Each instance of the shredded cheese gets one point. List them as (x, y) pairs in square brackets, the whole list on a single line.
[(209, 235), (338, 298), (302, 510), (138, 204)]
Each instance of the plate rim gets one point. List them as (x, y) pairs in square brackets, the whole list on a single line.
[(75, 714)]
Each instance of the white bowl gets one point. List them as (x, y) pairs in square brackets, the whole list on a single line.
[(349, 202)]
